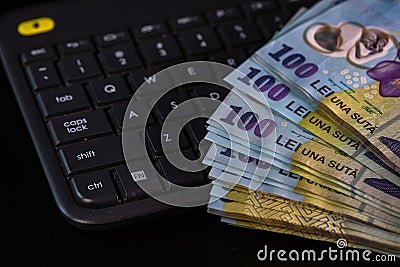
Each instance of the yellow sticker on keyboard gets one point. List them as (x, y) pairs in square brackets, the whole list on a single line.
[(36, 26)]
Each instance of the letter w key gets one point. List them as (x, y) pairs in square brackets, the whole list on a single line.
[(151, 77)]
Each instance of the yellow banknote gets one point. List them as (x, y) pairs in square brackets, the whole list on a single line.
[(320, 159), (297, 216), (374, 116), (294, 179), (242, 194)]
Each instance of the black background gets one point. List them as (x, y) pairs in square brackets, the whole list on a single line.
[(34, 233)]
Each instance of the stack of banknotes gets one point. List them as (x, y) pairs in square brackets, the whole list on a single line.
[(307, 142)]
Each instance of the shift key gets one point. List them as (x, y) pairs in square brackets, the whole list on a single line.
[(92, 155), (79, 126)]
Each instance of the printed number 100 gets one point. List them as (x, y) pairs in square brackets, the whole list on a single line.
[(294, 61), (249, 121)]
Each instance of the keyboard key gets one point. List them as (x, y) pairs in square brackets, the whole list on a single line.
[(140, 76), (223, 14), (239, 33), (257, 7), (42, 75), (167, 103), (133, 140), (41, 53), (79, 67), (75, 46), (212, 91), (159, 50), (108, 90), (120, 58), (192, 71), (149, 30), (94, 190), (232, 59), (271, 23), (92, 155), (112, 38), (161, 81), (186, 22), (181, 177), (197, 42), (129, 188), (166, 135), (78, 126), (250, 50), (153, 138), (296, 4), (118, 112), (141, 173), (61, 101), (196, 130)]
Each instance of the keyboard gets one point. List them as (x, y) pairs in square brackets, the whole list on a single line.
[(74, 66)]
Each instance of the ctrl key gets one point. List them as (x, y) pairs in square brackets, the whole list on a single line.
[(94, 189)]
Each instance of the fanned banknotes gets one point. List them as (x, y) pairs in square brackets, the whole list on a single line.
[(292, 143), (348, 61), (307, 143)]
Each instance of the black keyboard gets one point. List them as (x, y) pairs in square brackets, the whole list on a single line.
[(73, 84)]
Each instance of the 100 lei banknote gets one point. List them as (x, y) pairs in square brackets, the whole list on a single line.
[(242, 117), (356, 234), (224, 177), (312, 184), (301, 217), (265, 199), (347, 60), (252, 80), (323, 181), (228, 167), (304, 155)]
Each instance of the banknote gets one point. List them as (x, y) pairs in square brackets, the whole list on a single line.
[(223, 180), (317, 221), (307, 189), (303, 14), (357, 187), (301, 217), (264, 152), (356, 79), (266, 200), (302, 111), (254, 124), (275, 203), (312, 188), (257, 170), (355, 237), (275, 181), (302, 170), (362, 212)]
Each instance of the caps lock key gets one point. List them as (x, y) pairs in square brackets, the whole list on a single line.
[(78, 126)]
